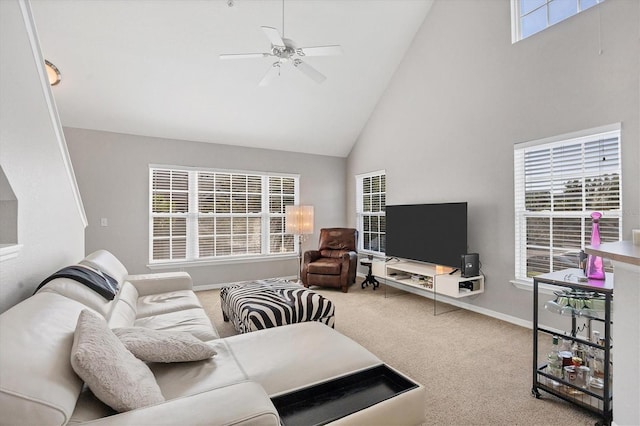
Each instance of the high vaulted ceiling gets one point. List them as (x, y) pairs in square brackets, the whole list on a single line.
[(152, 67)]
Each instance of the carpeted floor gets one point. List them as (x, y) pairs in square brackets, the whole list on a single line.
[(476, 369)]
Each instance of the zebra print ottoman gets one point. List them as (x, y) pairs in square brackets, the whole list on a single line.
[(254, 305)]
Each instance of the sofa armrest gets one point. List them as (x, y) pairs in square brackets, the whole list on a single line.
[(162, 282), (244, 403)]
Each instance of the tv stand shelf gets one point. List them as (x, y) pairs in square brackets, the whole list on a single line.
[(427, 280)]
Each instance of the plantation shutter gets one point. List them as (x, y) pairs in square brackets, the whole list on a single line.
[(371, 207), (207, 214), (557, 186), (229, 214), (282, 192), (169, 207)]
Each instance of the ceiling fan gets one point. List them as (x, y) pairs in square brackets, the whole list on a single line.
[(285, 50)]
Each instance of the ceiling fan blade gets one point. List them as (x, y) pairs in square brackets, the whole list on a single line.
[(320, 50), (274, 36), (273, 72), (310, 71), (243, 55)]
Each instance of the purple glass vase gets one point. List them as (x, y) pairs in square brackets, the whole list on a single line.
[(595, 265)]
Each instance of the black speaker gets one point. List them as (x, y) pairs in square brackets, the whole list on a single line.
[(470, 265)]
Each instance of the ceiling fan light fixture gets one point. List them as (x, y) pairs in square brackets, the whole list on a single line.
[(53, 73), (285, 50)]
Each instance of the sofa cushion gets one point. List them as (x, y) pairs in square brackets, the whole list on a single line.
[(162, 303), (94, 279), (285, 358), (78, 292), (123, 313), (160, 282), (190, 378), (325, 266), (163, 346), (194, 321), (113, 374), (177, 382), (106, 262), (37, 384), (244, 403)]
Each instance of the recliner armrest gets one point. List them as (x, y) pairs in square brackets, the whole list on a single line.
[(350, 256), (311, 256), (162, 282), (244, 403), (350, 264)]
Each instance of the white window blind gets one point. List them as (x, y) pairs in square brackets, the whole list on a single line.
[(557, 186), (170, 208), (214, 214), (281, 194), (370, 206)]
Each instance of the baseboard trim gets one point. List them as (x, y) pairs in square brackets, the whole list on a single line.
[(479, 309), (491, 313), (468, 306)]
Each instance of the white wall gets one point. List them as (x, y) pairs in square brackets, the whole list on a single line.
[(113, 175), (464, 95), (33, 158)]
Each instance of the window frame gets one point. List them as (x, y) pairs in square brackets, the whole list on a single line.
[(516, 17), (360, 214), (521, 213), (194, 214)]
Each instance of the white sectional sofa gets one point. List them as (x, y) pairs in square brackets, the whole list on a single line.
[(38, 385)]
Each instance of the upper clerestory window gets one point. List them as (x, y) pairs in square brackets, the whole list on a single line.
[(529, 17)]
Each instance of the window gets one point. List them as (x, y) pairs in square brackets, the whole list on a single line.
[(370, 206), (532, 16), (558, 184), (216, 214)]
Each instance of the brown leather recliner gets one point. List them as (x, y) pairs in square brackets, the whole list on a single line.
[(334, 263)]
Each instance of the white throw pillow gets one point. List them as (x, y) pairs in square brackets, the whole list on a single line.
[(163, 346), (113, 374)]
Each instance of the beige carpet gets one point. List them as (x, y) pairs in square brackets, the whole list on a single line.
[(476, 369)]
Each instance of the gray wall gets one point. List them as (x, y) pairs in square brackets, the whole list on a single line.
[(50, 220), (113, 174), (464, 95)]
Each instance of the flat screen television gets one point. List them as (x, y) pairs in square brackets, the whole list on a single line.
[(431, 233)]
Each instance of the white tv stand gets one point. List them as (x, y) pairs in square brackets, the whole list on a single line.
[(427, 280)]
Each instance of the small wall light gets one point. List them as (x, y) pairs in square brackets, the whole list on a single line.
[(52, 72)]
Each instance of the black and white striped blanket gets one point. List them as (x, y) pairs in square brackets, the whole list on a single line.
[(255, 305)]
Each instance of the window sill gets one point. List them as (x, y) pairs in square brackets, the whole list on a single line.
[(528, 286), (376, 255), (9, 251), (218, 262)]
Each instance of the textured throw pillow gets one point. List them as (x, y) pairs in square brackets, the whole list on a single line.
[(113, 374), (163, 346)]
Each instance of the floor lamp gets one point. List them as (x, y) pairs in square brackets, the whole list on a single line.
[(299, 222)]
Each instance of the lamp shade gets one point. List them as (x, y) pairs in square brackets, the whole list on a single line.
[(299, 220)]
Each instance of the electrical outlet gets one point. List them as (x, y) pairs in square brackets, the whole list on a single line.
[(104, 222)]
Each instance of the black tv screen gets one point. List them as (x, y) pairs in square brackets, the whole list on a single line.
[(431, 233)]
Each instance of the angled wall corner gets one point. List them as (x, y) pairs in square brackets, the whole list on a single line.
[(8, 212), (46, 219), (9, 247), (34, 43)]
